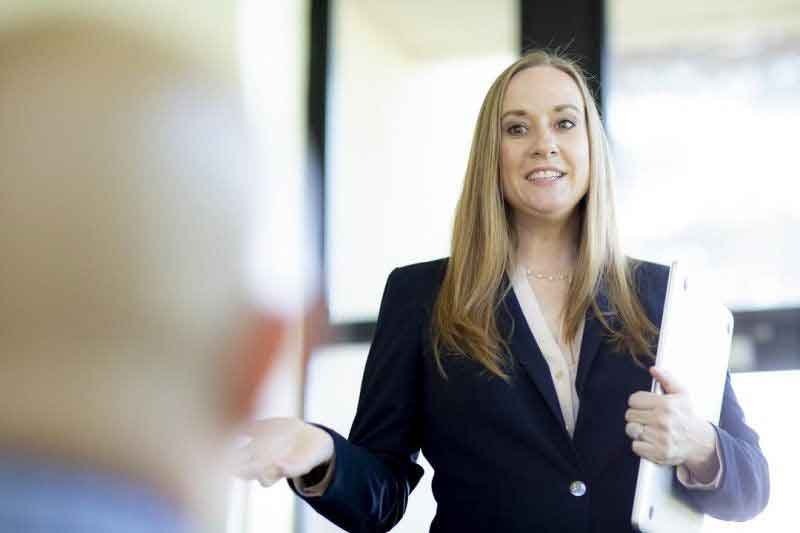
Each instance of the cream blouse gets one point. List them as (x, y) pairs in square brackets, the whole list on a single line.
[(563, 366)]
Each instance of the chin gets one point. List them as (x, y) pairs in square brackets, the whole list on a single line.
[(551, 213), (556, 216)]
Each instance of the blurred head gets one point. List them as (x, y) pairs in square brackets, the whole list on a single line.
[(128, 335)]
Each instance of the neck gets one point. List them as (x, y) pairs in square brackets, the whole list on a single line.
[(548, 246)]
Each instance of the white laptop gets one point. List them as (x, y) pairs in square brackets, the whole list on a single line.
[(694, 346)]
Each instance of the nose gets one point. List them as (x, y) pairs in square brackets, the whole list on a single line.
[(544, 146)]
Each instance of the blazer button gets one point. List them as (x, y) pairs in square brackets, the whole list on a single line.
[(577, 488)]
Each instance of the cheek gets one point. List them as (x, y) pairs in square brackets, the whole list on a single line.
[(580, 159), (506, 167), (585, 157), (511, 156), (505, 157), (583, 167), (586, 172)]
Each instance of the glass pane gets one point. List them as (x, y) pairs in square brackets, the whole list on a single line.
[(701, 96), (334, 380), (407, 81)]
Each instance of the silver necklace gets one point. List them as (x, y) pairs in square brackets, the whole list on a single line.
[(554, 277)]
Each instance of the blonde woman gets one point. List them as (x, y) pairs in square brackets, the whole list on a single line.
[(521, 365)]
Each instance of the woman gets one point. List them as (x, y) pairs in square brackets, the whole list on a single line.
[(521, 365)]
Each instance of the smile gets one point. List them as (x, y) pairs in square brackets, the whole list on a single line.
[(545, 176)]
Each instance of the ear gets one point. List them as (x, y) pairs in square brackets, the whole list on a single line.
[(253, 359)]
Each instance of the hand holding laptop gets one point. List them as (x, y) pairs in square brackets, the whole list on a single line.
[(668, 429), (665, 429)]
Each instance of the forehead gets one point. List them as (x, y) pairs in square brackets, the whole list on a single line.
[(540, 89)]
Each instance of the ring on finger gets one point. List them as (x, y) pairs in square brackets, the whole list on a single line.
[(635, 430)]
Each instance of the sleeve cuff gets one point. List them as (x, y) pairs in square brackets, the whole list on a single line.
[(688, 480), (301, 483)]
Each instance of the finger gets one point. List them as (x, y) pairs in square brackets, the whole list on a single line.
[(294, 465), (313, 449), (260, 467), (267, 481), (642, 416), (248, 470), (668, 383), (270, 474), (266, 475), (301, 459), (645, 450), (644, 400), (634, 430)]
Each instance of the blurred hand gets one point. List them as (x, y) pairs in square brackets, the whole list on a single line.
[(665, 430), (283, 447)]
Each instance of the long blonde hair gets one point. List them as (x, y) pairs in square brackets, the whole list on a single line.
[(484, 244)]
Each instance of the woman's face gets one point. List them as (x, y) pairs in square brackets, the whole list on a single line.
[(544, 147)]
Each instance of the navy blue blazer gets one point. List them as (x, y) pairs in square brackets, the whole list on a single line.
[(502, 458)]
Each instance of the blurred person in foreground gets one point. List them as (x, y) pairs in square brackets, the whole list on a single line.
[(132, 344), (521, 365)]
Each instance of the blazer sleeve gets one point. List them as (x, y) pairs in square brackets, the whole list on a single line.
[(375, 469), (744, 488)]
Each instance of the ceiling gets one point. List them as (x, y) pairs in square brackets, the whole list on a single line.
[(646, 24), (436, 29), (442, 28)]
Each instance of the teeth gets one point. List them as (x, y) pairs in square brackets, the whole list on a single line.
[(545, 174)]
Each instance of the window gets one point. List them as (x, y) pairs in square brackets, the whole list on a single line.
[(700, 100), (700, 97), (406, 82)]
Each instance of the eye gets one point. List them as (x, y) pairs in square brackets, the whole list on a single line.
[(517, 130), (565, 124)]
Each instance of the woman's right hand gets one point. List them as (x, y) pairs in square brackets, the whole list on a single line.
[(283, 448)]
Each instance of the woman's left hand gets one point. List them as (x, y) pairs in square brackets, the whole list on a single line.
[(665, 430)]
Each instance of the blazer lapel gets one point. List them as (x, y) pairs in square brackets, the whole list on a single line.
[(524, 348), (593, 334), (599, 436)]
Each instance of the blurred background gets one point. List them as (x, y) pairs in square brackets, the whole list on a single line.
[(374, 101)]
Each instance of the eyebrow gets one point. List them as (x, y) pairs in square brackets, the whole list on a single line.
[(557, 109)]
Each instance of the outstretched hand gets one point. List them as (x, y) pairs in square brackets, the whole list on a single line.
[(282, 448)]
